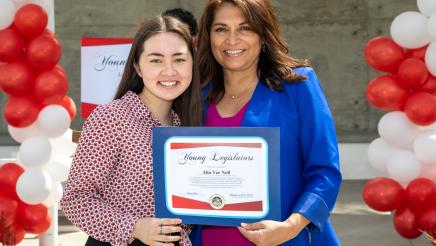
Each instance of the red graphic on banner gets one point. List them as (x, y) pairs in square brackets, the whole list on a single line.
[(87, 108), (199, 145), (182, 202), (105, 41)]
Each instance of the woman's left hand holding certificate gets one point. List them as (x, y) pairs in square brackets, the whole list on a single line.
[(154, 231)]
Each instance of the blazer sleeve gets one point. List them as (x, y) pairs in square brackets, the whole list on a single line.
[(93, 161), (319, 150)]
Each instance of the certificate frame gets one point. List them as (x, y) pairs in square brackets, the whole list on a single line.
[(163, 174)]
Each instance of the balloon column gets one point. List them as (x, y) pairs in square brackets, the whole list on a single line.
[(406, 149), (38, 113)]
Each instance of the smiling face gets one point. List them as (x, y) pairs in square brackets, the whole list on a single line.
[(165, 67), (235, 45)]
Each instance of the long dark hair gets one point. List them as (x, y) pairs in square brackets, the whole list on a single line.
[(275, 65), (188, 105)]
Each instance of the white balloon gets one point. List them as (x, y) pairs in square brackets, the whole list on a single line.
[(7, 13), (431, 27), (430, 58), (429, 172), (425, 148), (53, 121), (396, 129), (379, 152), (59, 168), (68, 135), (34, 186), (35, 151), (409, 30), (427, 7), (55, 195), (21, 134), (63, 146), (403, 166), (427, 128)]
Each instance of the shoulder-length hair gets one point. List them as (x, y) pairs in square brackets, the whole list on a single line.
[(188, 104), (275, 65)]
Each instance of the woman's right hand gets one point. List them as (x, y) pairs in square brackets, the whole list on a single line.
[(157, 231)]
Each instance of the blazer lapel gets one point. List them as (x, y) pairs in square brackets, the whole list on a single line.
[(258, 107)]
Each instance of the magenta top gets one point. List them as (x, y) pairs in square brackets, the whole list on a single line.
[(221, 235)]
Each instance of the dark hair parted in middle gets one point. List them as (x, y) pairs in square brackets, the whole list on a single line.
[(185, 16), (275, 65), (188, 104)]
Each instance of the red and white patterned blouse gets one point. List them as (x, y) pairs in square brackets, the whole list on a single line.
[(110, 185)]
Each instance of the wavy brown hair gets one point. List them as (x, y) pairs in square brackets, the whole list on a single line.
[(275, 65), (188, 104)]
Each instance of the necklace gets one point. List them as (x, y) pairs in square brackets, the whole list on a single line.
[(242, 94)]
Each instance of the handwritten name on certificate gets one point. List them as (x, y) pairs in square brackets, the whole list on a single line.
[(225, 176), (216, 176)]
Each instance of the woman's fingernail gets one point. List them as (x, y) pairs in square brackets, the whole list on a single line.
[(243, 224)]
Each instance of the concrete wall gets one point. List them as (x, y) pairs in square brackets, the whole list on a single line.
[(331, 33)]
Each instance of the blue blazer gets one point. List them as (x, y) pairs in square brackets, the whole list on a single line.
[(310, 174)]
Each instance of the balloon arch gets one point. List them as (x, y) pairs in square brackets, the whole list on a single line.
[(406, 149), (38, 112)]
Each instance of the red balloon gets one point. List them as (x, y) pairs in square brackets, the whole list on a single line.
[(420, 193), (412, 73), (43, 52), (69, 105), (48, 33), (9, 174), (427, 220), (33, 218), (8, 211), (406, 223), (51, 86), (21, 111), (383, 54), (11, 45), (12, 235), (31, 20), (383, 194), (16, 79), (430, 85), (385, 92), (417, 53), (420, 108), (61, 70)]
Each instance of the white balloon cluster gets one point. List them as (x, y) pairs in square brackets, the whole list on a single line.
[(413, 30), (45, 155), (404, 150)]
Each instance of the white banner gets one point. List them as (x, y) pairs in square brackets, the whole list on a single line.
[(102, 65)]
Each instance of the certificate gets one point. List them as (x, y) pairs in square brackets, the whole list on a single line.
[(216, 176)]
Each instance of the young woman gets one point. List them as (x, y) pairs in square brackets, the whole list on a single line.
[(109, 192), (251, 81)]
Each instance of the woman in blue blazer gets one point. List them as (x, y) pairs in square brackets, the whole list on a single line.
[(251, 81)]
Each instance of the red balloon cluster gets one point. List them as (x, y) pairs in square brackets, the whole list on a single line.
[(408, 86), (415, 206), (31, 77), (16, 217)]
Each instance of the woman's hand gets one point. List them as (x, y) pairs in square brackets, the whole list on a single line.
[(269, 232), (156, 232)]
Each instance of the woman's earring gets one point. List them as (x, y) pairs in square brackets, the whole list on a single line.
[(263, 47)]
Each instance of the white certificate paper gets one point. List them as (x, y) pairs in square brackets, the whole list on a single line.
[(217, 176)]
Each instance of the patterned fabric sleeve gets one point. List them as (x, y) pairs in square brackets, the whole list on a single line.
[(82, 204), (185, 241)]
